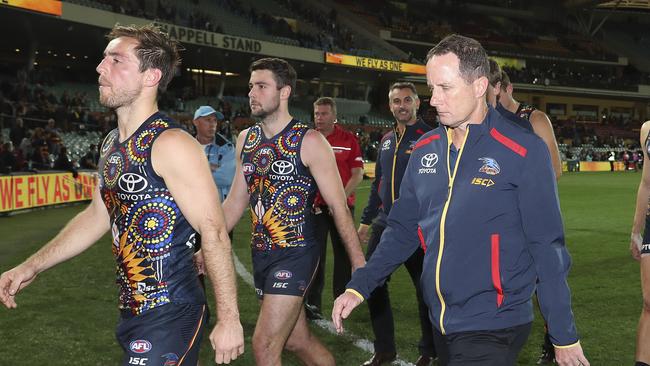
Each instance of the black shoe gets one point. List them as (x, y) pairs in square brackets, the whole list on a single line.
[(424, 361), (547, 357), (313, 312), (381, 358)]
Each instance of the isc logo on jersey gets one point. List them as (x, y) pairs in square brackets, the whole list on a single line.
[(140, 346), (428, 162), (282, 169)]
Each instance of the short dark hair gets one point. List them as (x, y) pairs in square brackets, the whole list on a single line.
[(155, 50), (473, 58), (403, 85), (283, 73), (495, 72), (326, 101), (505, 80)]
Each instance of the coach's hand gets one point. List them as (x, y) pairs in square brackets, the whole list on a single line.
[(343, 306), (227, 339), (570, 356), (11, 282)]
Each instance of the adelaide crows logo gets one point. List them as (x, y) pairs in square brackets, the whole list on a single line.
[(490, 166)]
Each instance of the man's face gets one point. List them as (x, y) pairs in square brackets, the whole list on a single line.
[(120, 80), (454, 99), (324, 118), (264, 95), (403, 104), (206, 126)]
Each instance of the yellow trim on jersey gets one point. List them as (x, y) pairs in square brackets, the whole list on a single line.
[(354, 292), (444, 218), (392, 175), (568, 346)]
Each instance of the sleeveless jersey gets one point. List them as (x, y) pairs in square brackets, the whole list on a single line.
[(281, 188), (152, 240), (524, 111)]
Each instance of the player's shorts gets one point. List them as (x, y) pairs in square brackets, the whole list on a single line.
[(168, 335), (286, 271)]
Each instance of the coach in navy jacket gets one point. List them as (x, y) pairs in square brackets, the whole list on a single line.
[(479, 195)]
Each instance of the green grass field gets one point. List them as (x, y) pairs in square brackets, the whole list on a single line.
[(68, 315)]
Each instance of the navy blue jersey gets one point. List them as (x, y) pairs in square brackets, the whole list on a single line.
[(152, 240), (281, 188), (523, 122)]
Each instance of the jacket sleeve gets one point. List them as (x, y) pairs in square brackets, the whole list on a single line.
[(542, 223), (374, 201), (398, 242)]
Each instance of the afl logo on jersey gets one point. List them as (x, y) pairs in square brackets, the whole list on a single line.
[(283, 274), (132, 183), (282, 167), (140, 346), (248, 169)]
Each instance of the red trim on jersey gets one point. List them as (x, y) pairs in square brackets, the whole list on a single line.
[(511, 144), (496, 272), (421, 236), (426, 141)]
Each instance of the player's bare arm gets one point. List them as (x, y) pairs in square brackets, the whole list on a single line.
[(78, 235), (178, 159), (642, 196), (544, 129), (317, 155), (237, 199)]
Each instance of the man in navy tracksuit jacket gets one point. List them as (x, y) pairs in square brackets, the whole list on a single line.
[(479, 195), (394, 152)]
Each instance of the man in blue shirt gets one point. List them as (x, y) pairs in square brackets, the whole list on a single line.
[(219, 150)]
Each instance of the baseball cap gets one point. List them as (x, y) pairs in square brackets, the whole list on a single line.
[(206, 110)]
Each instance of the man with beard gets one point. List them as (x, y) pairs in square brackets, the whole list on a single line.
[(393, 156), (155, 193), (280, 162)]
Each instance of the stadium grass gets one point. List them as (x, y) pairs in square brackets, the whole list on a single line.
[(68, 315)]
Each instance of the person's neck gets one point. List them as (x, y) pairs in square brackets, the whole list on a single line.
[(459, 132), (327, 132), (131, 117), (401, 126), (276, 122), (204, 140), (510, 104)]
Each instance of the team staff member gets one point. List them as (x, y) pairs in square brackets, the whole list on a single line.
[(479, 194), (217, 148), (393, 156), (350, 166), (538, 120), (155, 193), (640, 248), (281, 164)]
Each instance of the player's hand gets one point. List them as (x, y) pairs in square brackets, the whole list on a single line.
[(199, 262), (636, 242), (571, 356), (363, 233), (343, 306), (11, 282), (227, 339)]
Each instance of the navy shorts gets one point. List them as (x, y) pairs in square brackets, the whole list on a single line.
[(168, 335), (286, 271)]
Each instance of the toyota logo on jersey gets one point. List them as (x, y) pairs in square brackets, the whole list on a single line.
[(282, 167), (132, 183)]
